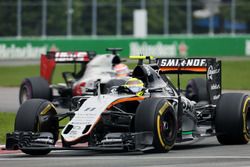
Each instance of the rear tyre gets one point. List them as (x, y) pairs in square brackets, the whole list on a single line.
[(34, 87), (37, 115), (232, 119), (157, 116), (196, 90)]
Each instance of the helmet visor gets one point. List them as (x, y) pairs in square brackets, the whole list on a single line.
[(135, 89)]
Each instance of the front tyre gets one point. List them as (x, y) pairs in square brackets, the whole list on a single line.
[(157, 115), (232, 121), (37, 115)]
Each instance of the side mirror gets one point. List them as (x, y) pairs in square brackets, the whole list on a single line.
[(76, 102)]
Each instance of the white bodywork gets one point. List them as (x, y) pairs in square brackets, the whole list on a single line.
[(88, 114), (100, 67)]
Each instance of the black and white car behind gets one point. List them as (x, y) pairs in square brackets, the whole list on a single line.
[(88, 68)]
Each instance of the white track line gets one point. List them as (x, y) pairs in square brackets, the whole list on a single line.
[(119, 158)]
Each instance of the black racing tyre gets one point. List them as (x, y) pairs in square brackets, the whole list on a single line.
[(111, 83), (196, 90), (37, 115), (232, 119), (34, 87), (157, 115)]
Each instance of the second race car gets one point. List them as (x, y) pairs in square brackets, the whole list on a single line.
[(92, 67)]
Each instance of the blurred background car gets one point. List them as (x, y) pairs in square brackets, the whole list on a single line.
[(104, 68)]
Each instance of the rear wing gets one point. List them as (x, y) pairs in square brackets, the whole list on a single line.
[(49, 60), (67, 57), (209, 66)]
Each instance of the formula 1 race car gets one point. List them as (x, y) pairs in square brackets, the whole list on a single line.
[(147, 113), (79, 82)]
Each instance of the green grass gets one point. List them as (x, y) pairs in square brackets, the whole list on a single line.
[(7, 120), (6, 124), (235, 74), (13, 76)]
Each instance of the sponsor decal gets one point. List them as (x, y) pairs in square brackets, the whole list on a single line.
[(53, 48), (216, 97), (45, 140), (215, 86), (211, 72), (148, 71), (25, 52), (170, 91), (159, 49), (70, 56), (182, 48), (183, 62)]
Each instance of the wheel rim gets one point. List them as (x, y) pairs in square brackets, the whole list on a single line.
[(24, 94), (168, 126), (248, 120)]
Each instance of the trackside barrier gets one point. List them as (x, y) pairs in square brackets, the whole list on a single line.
[(158, 46)]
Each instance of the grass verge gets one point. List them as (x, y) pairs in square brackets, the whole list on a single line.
[(235, 74), (12, 76), (6, 124)]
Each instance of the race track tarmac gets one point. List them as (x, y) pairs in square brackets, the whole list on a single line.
[(9, 101), (207, 153)]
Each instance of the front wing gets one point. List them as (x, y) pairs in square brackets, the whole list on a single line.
[(112, 141)]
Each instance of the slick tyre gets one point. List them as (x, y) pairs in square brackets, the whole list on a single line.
[(232, 119), (156, 115), (37, 115), (196, 90), (34, 87)]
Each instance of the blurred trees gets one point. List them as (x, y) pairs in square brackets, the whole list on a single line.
[(106, 16)]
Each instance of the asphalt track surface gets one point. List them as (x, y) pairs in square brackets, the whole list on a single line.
[(207, 153), (9, 101)]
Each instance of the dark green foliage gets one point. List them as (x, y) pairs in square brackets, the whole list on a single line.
[(106, 16)]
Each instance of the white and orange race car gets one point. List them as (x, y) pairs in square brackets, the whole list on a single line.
[(146, 113)]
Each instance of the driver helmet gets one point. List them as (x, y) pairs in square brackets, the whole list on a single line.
[(135, 86), (121, 70)]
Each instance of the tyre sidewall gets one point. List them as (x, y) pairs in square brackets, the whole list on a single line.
[(25, 86), (153, 109), (231, 119)]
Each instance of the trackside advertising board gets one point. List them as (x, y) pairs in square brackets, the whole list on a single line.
[(158, 46)]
